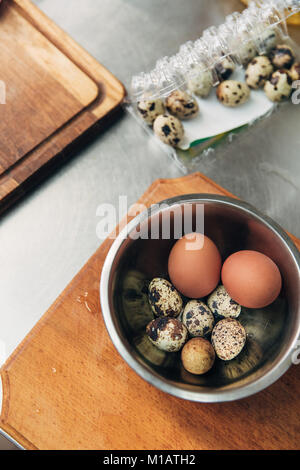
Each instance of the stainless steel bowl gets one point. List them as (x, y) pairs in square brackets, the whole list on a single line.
[(272, 332)]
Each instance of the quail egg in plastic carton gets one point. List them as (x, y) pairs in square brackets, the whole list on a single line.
[(233, 93), (182, 105), (200, 82), (267, 40), (247, 52), (169, 130), (254, 39), (295, 71), (279, 87), (150, 109), (258, 71), (225, 68), (282, 56)]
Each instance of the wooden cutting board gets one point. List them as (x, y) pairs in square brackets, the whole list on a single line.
[(51, 93), (66, 387)]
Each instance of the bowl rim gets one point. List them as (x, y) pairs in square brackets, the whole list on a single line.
[(216, 395)]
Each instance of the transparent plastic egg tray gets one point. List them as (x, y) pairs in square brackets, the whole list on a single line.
[(223, 52)]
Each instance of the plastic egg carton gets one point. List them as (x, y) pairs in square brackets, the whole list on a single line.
[(241, 37)]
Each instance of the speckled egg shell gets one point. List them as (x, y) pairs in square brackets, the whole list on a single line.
[(167, 334), (164, 299), (228, 338), (267, 41), (169, 130), (222, 305), (198, 318), (233, 93), (224, 69), (247, 52), (258, 71), (295, 71), (182, 105), (200, 82), (149, 110), (282, 56), (279, 87)]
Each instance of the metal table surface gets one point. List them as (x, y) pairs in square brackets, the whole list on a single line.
[(47, 237)]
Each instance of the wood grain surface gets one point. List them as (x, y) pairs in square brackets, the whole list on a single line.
[(52, 92), (66, 387)]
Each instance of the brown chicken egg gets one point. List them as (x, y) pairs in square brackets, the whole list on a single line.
[(194, 265), (251, 278)]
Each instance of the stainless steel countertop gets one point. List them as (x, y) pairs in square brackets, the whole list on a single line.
[(47, 237)]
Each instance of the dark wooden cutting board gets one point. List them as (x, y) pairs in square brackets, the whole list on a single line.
[(51, 92), (66, 387)]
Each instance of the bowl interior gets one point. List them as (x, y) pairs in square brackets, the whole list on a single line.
[(270, 331)]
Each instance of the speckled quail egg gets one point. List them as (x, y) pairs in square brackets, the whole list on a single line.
[(164, 299), (267, 41), (258, 71), (169, 130), (295, 71), (198, 356), (247, 52), (279, 87), (198, 318), (233, 93), (200, 82), (182, 105), (167, 334), (228, 338), (282, 56), (222, 305), (149, 110), (224, 69)]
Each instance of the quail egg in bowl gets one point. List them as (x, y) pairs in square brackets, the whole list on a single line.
[(158, 346)]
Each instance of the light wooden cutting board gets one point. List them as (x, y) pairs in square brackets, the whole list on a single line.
[(52, 92), (66, 387)]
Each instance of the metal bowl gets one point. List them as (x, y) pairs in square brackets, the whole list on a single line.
[(272, 332)]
